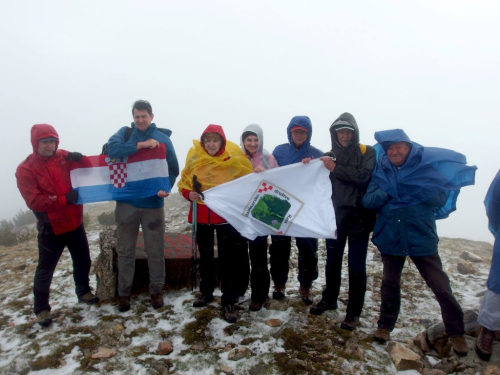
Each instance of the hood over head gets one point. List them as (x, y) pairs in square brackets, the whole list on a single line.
[(387, 137), (212, 128), (302, 122), (255, 129), (40, 131), (344, 121)]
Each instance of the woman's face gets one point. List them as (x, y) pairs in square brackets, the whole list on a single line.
[(251, 144), (212, 143)]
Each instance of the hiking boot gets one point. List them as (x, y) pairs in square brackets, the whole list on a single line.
[(203, 300), (123, 303), (255, 306), (305, 294), (89, 298), (156, 300), (229, 313), (321, 307), (350, 322), (484, 343), (382, 335), (459, 345), (44, 318), (279, 292)]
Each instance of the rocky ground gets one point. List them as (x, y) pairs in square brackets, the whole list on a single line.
[(282, 338)]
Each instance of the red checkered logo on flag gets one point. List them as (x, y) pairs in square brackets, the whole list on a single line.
[(264, 187), (118, 174)]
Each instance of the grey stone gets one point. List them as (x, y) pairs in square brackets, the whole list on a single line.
[(470, 257), (239, 353), (105, 266)]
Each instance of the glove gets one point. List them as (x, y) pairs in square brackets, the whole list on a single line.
[(75, 156), (72, 197)]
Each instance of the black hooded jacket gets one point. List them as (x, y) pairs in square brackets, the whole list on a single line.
[(350, 179)]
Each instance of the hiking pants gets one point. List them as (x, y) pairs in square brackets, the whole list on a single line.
[(233, 264), (50, 248), (152, 221), (260, 280), (308, 259), (431, 269), (357, 250)]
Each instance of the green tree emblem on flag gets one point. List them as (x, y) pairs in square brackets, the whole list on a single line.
[(271, 210)]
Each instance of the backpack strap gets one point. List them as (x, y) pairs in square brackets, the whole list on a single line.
[(128, 133), (362, 148)]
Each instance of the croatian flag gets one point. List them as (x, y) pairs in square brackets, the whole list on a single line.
[(102, 178)]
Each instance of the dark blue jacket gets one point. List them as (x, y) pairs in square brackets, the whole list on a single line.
[(492, 203), (287, 153), (408, 231), (427, 172), (118, 148)]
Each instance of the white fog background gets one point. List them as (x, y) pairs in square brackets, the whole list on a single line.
[(431, 68)]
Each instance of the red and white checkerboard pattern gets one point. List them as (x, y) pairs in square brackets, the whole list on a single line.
[(264, 187), (118, 174)]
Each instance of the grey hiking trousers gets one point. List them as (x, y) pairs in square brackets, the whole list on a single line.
[(152, 221)]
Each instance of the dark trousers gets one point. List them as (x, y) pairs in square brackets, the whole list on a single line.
[(357, 249), (431, 269), (234, 267), (308, 259), (260, 280), (50, 248)]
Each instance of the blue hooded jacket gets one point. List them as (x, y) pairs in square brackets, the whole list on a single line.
[(287, 153), (118, 148), (492, 203), (428, 171), (410, 198)]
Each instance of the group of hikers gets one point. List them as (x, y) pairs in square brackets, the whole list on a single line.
[(396, 189)]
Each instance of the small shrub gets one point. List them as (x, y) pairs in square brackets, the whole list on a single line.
[(86, 220), (24, 218), (6, 224), (26, 235), (107, 218), (7, 237)]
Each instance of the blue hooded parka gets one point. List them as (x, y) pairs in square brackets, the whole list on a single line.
[(492, 203), (287, 153), (410, 198)]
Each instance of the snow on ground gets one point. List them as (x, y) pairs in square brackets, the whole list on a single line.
[(26, 348)]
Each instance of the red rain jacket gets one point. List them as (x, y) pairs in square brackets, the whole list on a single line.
[(204, 214), (44, 182)]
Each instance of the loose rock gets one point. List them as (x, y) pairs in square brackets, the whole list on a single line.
[(239, 353), (165, 348), (226, 369), (273, 322), (104, 353), (491, 370), (470, 257), (404, 358), (466, 268)]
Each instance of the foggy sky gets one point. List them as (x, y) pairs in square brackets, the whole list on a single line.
[(428, 67)]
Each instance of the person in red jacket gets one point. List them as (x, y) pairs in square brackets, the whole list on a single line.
[(44, 182), (214, 161)]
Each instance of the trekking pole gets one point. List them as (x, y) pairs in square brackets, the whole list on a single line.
[(194, 243), (194, 250)]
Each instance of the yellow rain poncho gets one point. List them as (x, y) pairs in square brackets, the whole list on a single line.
[(228, 164)]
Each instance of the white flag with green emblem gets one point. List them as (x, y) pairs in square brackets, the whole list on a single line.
[(294, 200)]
